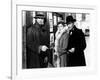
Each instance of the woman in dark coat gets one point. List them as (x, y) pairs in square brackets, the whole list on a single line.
[(76, 44)]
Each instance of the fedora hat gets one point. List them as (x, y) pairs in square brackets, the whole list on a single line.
[(39, 16), (70, 19)]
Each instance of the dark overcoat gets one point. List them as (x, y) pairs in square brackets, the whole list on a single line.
[(32, 45), (77, 41), (36, 36)]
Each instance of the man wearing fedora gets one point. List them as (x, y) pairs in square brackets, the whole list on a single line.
[(76, 44), (37, 43)]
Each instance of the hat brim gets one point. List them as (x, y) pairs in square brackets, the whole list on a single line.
[(39, 16), (74, 20)]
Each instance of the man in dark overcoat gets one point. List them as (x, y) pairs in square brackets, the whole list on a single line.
[(76, 44), (37, 43)]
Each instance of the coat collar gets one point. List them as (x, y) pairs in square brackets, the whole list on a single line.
[(72, 30), (39, 27)]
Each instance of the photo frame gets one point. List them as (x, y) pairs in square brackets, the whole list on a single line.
[(17, 21)]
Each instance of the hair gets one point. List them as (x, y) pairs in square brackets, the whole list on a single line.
[(61, 22)]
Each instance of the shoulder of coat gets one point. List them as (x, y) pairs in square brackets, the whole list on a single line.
[(31, 29)]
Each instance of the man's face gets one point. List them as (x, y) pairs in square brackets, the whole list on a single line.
[(40, 21), (70, 25)]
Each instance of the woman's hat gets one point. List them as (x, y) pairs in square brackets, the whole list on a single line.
[(70, 19)]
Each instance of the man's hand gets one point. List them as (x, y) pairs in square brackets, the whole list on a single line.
[(72, 50), (44, 48)]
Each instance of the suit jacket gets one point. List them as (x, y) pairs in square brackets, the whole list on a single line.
[(77, 41)]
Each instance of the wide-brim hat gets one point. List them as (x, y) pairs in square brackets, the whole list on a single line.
[(41, 16), (70, 19)]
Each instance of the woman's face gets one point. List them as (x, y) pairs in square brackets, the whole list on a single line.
[(60, 27)]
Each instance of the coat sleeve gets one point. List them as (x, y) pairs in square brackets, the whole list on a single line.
[(31, 41), (63, 43), (81, 42)]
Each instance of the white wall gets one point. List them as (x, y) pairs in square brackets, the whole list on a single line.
[(5, 34)]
